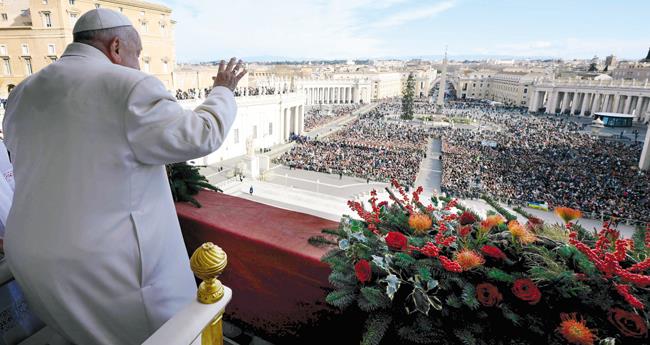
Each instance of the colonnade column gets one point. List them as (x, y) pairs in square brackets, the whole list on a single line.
[(628, 103), (617, 101), (565, 102), (644, 162), (606, 103), (287, 122), (585, 101), (574, 103)]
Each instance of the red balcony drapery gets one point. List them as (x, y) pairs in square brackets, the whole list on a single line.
[(278, 282)]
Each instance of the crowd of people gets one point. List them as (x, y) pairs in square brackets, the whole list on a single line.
[(542, 159), (321, 115), (368, 148), (198, 93)]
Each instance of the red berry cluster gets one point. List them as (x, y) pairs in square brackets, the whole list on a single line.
[(608, 253)]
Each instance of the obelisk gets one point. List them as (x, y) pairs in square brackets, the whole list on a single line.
[(440, 102)]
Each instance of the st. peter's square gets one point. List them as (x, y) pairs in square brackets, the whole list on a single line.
[(324, 172)]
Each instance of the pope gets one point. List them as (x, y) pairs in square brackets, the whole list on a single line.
[(92, 236)]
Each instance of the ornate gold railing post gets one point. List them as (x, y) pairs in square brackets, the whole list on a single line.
[(207, 263)]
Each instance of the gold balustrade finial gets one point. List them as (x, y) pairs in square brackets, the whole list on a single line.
[(207, 263)]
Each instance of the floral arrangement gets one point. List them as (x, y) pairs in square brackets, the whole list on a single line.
[(436, 273), (185, 181)]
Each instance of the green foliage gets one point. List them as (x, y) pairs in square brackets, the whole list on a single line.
[(469, 297), (341, 298), (186, 181), (431, 305), (408, 95), (522, 212), (376, 327), (499, 275), (403, 260), (372, 299), (507, 215)]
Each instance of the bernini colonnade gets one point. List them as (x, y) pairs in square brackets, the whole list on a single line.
[(582, 97)]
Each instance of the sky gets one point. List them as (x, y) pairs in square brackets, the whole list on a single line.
[(209, 30)]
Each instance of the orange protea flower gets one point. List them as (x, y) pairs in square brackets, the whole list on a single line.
[(420, 222), (490, 222), (468, 259), (567, 214), (575, 331), (520, 233)]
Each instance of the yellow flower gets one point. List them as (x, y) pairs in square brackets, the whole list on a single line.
[(567, 214), (468, 259), (490, 222), (420, 223), (520, 233)]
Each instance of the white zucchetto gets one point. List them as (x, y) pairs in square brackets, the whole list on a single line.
[(100, 18)]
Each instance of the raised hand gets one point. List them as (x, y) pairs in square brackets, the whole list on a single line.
[(229, 75)]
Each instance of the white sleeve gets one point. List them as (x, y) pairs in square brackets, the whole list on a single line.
[(161, 131)]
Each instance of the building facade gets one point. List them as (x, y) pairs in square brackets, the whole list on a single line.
[(34, 33), (261, 122), (586, 97), (510, 88)]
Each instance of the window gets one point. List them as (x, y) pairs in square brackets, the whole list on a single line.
[(146, 66), (525, 90), (71, 2), (3, 50), (73, 18), (121, 9), (142, 13), (165, 67), (6, 66), (235, 135), (28, 67), (51, 49), (143, 26), (25, 49), (44, 2), (4, 17), (98, 5), (47, 19), (270, 128)]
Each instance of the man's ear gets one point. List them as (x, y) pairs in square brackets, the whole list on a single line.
[(114, 50)]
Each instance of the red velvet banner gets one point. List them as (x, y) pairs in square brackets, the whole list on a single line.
[(277, 278)]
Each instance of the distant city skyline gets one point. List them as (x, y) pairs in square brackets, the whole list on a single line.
[(358, 29)]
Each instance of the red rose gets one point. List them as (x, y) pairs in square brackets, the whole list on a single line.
[(493, 252), (467, 218), (527, 291), (396, 240), (630, 324), (488, 295), (363, 271)]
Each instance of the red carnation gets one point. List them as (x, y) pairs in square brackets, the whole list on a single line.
[(363, 271), (396, 240), (467, 218), (488, 295), (527, 291), (465, 230), (630, 324), (493, 252)]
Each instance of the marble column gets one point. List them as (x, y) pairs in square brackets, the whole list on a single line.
[(585, 102), (605, 107), (644, 162), (565, 103), (549, 102), (574, 103), (287, 123), (628, 102), (617, 101), (296, 120), (301, 125)]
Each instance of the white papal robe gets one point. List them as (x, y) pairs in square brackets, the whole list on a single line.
[(93, 237)]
